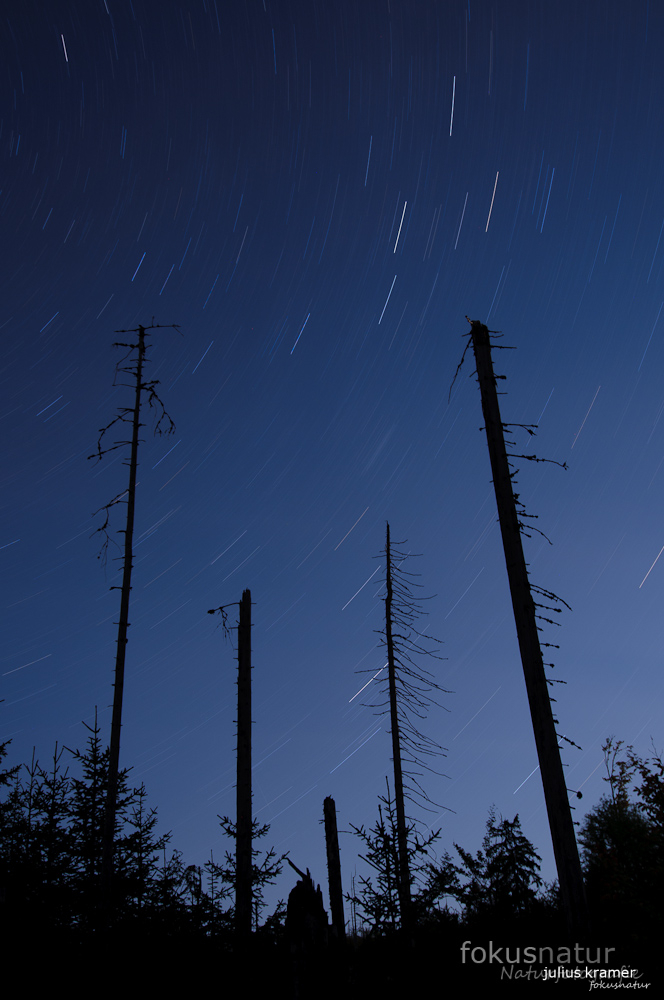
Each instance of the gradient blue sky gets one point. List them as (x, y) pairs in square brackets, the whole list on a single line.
[(319, 193)]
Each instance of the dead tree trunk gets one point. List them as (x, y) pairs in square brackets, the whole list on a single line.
[(134, 367), (123, 624), (334, 868), (243, 845), (403, 872), (553, 779)]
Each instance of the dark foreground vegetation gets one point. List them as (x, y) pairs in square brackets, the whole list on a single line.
[(484, 918)]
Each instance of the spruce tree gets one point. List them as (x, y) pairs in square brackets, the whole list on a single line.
[(499, 883), (376, 896)]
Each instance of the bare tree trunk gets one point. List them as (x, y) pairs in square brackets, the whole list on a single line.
[(334, 868), (403, 872), (123, 624), (553, 779), (243, 845), (132, 366)]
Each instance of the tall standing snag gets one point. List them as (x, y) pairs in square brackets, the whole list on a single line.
[(243, 845), (546, 739), (403, 875), (334, 868), (247, 878), (408, 691), (132, 364)]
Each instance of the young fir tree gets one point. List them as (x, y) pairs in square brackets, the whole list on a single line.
[(146, 893), (8, 777), (139, 852), (19, 858), (622, 840), (35, 844), (55, 840), (377, 899), (499, 883), (87, 816), (265, 869), (51, 828)]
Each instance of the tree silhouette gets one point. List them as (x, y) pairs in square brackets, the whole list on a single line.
[(87, 815), (131, 365), (51, 831), (500, 882), (622, 841), (243, 829), (526, 614), (265, 869), (408, 691), (378, 899)]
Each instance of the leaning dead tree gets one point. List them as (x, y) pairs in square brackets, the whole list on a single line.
[(409, 691), (526, 616), (131, 366)]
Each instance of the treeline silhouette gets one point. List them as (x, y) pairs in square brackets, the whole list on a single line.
[(169, 913), (51, 845)]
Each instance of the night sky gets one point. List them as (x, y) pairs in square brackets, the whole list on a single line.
[(319, 193)]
